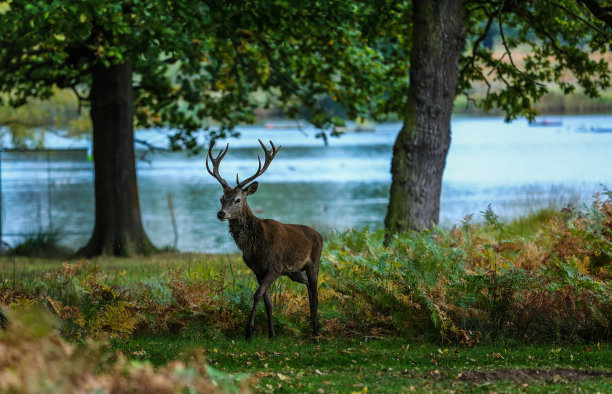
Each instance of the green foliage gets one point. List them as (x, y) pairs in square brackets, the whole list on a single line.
[(199, 63), (194, 62), (542, 43), (475, 283), (528, 225), (40, 245), (35, 359), (478, 281), (391, 365)]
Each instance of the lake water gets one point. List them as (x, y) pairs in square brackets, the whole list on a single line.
[(513, 167)]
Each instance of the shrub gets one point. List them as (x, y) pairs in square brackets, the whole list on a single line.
[(40, 245), (478, 281), (34, 359)]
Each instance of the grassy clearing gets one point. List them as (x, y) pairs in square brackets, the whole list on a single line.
[(389, 364), (121, 271), (489, 306)]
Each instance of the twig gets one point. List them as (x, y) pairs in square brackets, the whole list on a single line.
[(503, 37), (150, 146), (79, 97)]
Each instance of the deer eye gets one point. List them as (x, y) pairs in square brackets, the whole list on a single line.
[(237, 201)]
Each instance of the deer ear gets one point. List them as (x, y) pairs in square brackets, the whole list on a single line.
[(252, 188)]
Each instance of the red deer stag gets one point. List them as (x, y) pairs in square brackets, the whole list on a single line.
[(269, 248)]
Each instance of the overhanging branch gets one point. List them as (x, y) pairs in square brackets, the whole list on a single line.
[(589, 24), (604, 14), (80, 98), (477, 43)]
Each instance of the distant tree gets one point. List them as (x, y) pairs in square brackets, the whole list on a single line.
[(561, 42), (180, 64)]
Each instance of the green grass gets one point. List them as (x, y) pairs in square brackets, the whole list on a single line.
[(121, 271), (528, 225), (381, 365)]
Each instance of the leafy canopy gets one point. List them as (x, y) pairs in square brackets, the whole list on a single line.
[(193, 62), (541, 45), (544, 43), (196, 63)]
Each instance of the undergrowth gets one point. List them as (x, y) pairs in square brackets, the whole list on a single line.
[(40, 245), (472, 284), (480, 282), (34, 359)]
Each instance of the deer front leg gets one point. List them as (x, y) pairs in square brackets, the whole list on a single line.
[(268, 303), (264, 286)]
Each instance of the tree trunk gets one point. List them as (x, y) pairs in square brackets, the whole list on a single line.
[(419, 153), (118, 229)]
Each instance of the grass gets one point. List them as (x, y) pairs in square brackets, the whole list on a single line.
[(121, 271), (384, 365), (528, 225)]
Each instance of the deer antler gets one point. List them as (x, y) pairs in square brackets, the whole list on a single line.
[(216, 161), (268, 159)]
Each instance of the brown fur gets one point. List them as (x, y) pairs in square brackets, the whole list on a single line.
[(270, 248)]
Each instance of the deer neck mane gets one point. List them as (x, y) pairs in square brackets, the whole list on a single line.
[(245, 230)]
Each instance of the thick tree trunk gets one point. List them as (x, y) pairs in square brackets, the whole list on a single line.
[(419, 153), (118, 229)]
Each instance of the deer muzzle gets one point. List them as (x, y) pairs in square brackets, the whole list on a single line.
[(221, 215)]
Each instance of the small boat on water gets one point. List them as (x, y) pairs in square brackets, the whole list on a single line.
[(545, 123), (601, 129)]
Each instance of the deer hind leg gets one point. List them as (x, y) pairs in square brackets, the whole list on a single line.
[(264, 285), (302, 277), (312, 275)]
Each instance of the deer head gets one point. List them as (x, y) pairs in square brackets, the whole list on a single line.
[(234, 200)]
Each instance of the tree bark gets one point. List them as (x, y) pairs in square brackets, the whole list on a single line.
[(419, 153), (118, 228)]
